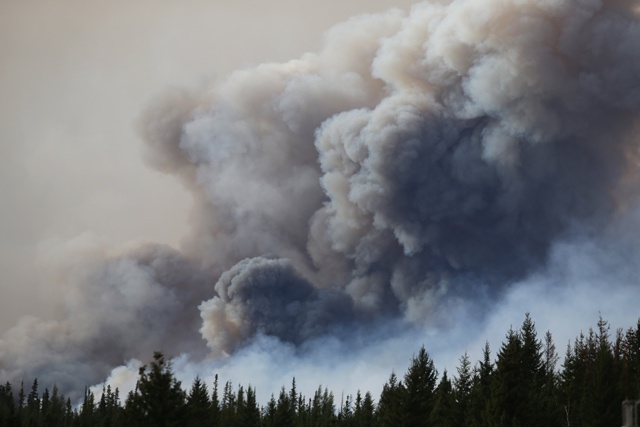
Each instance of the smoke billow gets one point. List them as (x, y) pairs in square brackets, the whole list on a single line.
[(414, 164)]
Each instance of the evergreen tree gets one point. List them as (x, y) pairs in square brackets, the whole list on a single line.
[(215, 403), (444, 408), (133, 409), (162, 399), (631, 363), (517, 388), (229, 405), (21, 414), (477, 413), (88, 411), (419, 387), (368, 411), (54, 415), (269, 413), (363, 413), (7, 406), (345, 417), (198, 411), (603, 388), (251, 416), (389, 411), (462, 388), (552, 413), (285, 416)]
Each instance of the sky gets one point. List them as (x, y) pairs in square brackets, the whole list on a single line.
[(75, 79), (268, 190)]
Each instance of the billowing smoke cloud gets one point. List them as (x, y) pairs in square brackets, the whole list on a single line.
[(417, 163)]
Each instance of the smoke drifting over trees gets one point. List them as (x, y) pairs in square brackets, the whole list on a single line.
[(414, 163)]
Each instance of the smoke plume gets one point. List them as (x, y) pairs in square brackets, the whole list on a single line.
[(415, 164)]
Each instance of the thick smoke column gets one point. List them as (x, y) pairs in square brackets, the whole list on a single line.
[(415, 160)]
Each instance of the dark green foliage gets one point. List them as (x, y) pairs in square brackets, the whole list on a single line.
[(419, 386), (161, 399), (444, 407), (285, 412), (199, 411), (522, 388), (462, 389), (215, 403), (593, 377), (364, 409), (8, 415), (390, 406)]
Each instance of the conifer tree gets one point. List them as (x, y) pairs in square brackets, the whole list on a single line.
[(345, 417), (444, 406), (162, 399), (269, 413), (517, 395), (7, 406), (198, 411), (229, 405), (389, 411), (215, 403), (477, 414), (285, 416), (251, 416), (462, 388), (419, 388), (87, 416), (368, 411)]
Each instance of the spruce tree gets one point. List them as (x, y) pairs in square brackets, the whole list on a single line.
[(7, 406), (162, 399), (215, 403), (251, 416), (389, 412), (419, 388), (198, 411), (462, 388), (444, 407)]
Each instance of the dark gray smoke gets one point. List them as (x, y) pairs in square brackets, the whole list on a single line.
[(415, 161)]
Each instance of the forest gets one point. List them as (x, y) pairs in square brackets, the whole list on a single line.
[(523, 385)]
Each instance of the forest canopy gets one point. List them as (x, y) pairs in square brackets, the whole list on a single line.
[(522, 385)]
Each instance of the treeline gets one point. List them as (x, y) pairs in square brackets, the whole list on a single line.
[(522, 386)]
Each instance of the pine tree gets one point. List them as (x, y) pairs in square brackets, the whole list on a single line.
[(444, 407), (7, 406), (631, 363), (368, 411), (364, 409), (269, 413), (87, 416), (462, 388), (552, 413), (345, 417), (389, 411), (251, 416), (229, 405), (215, 403), (517, 393), (162, 399), (504, 406), (198, 412), (478, 412), (419, 388), (285, 416)]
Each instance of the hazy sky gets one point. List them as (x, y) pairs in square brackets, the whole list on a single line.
[(75, 77)]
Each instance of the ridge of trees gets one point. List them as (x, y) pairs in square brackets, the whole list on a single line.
[(523, 386)]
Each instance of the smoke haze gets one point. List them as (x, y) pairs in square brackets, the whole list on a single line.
[(426, 176)]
